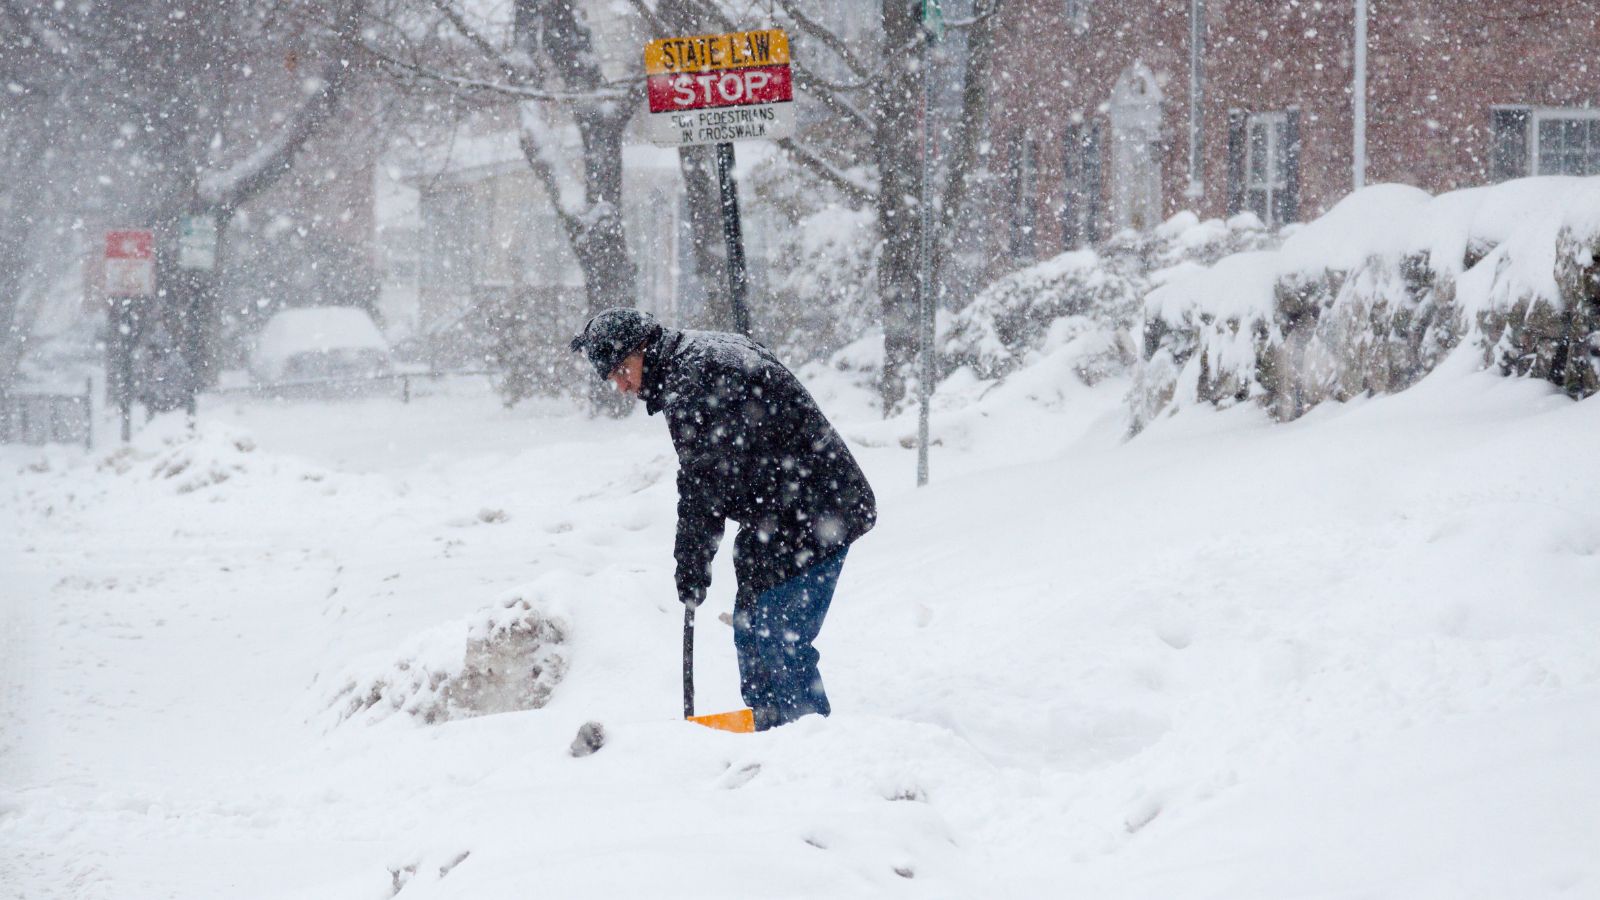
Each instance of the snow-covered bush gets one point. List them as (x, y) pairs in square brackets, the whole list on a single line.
[(1545, 325), (1085, 291), (1185, 238), (509, 657), (819, 289), (1371, 296), (1080, 291), (1082, 305)]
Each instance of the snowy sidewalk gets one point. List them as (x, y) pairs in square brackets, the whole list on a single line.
[(1350, 657)]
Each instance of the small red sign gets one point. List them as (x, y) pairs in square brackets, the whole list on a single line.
[(730, 87), (130, 245), (130, 264)]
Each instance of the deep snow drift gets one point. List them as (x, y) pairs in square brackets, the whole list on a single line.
[(1350, 656)]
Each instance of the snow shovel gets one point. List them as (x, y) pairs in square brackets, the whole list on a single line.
[(741, 721)]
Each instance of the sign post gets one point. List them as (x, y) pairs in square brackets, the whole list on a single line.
[(733, 238), (130, 273), (717, 89)]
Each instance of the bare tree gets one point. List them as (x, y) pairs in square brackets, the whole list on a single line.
[(33, 122), (556, 33), (865, 90), (548, 67), (698, 167), (884, 70), (174, 111)]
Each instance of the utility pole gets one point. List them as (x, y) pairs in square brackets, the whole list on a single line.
[(1197, 39), (1358, 96)]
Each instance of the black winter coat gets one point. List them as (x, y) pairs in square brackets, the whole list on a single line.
[(752, 447)]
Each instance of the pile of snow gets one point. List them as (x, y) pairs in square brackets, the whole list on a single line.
[(184, 459), (509, 657), (1371, 296)]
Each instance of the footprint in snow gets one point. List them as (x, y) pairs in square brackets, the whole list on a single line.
[(741, 776), (1177, 635)]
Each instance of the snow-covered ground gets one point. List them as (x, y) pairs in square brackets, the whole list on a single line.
[(1357, 655)]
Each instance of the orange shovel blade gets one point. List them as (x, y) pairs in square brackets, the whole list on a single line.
[(741, 721)]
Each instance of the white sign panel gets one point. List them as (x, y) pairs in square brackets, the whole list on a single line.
[(197, 243)]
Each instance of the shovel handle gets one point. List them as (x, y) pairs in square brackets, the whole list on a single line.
[(688, 660)]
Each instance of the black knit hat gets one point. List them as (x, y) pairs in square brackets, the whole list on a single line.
[(613, 334)]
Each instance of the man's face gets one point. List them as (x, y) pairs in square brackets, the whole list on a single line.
[(629, 374)]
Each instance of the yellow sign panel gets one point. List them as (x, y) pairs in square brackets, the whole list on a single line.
[(715, 52)]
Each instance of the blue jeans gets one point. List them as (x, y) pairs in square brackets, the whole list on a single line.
[(772, 632)]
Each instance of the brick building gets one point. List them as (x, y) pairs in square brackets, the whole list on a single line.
[(1104, 116)]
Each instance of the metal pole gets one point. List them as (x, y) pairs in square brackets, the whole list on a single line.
[(688, 660), (124, 339), (925, 306), (1358, 93), (88, 414), (732, 238), (1197, 31)]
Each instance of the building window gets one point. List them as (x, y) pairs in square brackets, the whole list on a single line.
[(1508, 148), (1081, 209), (1024, 197), (1077, 14), (1266, 175), (1527, 140), (1566, 141), (1264, 165)]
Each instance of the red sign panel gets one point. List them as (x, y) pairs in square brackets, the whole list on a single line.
[(130, 245), (730, 87), (130, 265)]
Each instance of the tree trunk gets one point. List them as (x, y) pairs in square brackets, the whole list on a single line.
[(610, 278), (698, 166), (969, 129), (897, 102), (14, 330), (596, 233)]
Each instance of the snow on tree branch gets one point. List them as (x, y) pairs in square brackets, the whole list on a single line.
[(237, 184)]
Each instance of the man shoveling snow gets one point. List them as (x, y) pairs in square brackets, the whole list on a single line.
[(752, 447)]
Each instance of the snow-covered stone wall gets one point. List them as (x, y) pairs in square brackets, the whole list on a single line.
[(1371, 296)]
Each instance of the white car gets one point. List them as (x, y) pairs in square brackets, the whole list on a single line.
[(320, 343)]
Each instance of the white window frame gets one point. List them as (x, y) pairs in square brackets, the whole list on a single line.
[(1540, 114), (1275, 166)]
